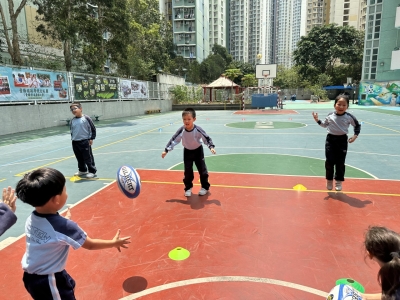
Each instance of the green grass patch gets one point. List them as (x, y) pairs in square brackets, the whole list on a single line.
[(272, 164)]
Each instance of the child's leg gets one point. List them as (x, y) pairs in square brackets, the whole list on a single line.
[(87, 154), (330, 157), (47, 287), (202, 168), (79, 156), (341, 149), (188, 158)]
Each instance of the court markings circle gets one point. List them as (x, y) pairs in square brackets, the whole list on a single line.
[(176, 284)]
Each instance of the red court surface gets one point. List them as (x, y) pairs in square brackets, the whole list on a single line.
[(266, 112), (254, 226)]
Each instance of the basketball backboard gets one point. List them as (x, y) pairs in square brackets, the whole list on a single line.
[(265, 71)]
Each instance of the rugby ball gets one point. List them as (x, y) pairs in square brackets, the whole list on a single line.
[(343, 292), (128, 181)]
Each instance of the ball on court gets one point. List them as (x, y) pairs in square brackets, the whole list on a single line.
[(128, 181), (343, 292)]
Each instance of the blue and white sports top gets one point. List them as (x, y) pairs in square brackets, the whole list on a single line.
[(191, 140), (48, 238)]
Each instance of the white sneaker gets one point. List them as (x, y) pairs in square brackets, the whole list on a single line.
[(329, 184), (203, 192), (188, 193), (90, 175), (79, 173), (338, 186)]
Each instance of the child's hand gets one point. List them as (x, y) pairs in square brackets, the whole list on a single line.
[(120, 242), (315, 115), (163, 154), (213, 151), (352, 139), (9, 198)]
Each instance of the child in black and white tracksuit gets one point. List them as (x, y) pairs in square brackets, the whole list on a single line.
[(337, 124), (191, 136)]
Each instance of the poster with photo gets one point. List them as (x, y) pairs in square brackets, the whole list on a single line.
[(26, 85), (91, 87), (132, 89)]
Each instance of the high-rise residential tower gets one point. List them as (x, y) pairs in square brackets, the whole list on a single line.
[(218, 21), (190, 23), (316, 9), (239, 29), (288, 30), (345, 12)]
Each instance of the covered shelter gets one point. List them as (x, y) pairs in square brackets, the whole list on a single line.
[(221, 83)]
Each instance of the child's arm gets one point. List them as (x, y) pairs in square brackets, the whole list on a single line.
[(175, 140), (377, 296), (320, 123), (357, 127), (97, 244)]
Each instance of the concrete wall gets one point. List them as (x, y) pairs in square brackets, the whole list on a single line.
[(20, 118), (170, 79)]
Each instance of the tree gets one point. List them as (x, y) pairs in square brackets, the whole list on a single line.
[(249, 80), (288, 78), (245, 68), (212, 68), (326, 46), (61, 20), (150, 39), (232, 74), (223, 52), (13, 42)]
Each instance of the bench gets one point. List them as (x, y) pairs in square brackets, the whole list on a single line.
[(67, 121), (96, 117), (152, 111)]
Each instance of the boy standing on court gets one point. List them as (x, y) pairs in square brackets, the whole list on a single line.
[(191, 136), (49, 236), (83, 132)]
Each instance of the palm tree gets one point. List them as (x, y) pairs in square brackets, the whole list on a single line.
[(232, 74)]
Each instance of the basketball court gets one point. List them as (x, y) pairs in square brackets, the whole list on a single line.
[(268, 229)]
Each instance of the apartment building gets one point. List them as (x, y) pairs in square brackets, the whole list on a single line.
[(289, 23), (316, 14), (191, 32), (218, 22), (239, 13)]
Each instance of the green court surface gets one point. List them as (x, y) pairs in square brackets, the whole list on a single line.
[(272, 164), (266, 125)]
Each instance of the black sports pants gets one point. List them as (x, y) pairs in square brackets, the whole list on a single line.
[(84, 156), (335, 153), (196, 156)]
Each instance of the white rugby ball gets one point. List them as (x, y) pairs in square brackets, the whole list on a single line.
[(344, 292), (128, 181)]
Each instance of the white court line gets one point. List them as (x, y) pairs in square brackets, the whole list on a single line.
[(225, 279), (211, 156)]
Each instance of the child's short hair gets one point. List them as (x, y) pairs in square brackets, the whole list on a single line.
[(76, 104), (342, 96), (188, 111), (384, 244), (39, 186)]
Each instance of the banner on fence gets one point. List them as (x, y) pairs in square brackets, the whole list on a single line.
[(90, 87), (27, 85), (131, 89)]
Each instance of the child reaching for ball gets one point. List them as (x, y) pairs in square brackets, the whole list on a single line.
[(382, 245), (49, 236), (191, 136), (337, 124)]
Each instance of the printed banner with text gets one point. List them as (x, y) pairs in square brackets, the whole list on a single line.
[(90, 87), (28, 85), (131, 89)]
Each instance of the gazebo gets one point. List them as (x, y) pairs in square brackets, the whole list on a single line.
[(221, 83)]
